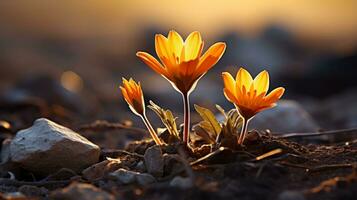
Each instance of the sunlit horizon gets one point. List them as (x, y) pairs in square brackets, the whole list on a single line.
[(332, 23)]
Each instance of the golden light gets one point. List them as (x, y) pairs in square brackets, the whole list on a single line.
[(71, 81)]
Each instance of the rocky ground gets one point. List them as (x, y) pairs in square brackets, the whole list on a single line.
[(49, 161), (53, 147)]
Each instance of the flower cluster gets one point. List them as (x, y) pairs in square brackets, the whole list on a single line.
[(183, 64)]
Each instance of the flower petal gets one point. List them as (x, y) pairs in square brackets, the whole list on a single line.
[(193, 46), (163, 51), (229, 82), (230, 96), (272, 105), (243, 78), (151, 62), (210, 58), (125, 95), (274, 95), (175, 43), (261, 82), (187, 68), (133, 95)]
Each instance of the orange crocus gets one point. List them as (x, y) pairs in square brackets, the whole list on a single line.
[(133, 95), (183, 64), (250, 96)]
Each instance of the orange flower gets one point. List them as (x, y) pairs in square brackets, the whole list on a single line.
[(250, 96), (133, 95), (183, 64)]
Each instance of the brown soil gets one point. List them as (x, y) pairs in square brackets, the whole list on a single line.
[(294, 171)]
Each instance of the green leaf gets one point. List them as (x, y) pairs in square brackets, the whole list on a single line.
[(233, 122), (167, 119), (209, 123), (202, 133)]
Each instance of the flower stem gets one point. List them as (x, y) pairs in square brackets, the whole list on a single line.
[(186, 120), (244, 131), (151, 130)]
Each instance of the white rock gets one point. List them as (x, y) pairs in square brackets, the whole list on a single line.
[(288, 116), (47, 147)]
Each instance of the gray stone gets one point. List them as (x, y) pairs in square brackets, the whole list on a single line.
[(181, 182), (154, 161), (13, 195), (81, 191), (140, 166), (33, 191), (340, 110), (172, 164), (288, 116), (47, 147), (99, 170), (127, 177), (5, 151), (291, 195)]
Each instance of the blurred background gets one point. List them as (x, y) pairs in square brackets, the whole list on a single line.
[(69, 56)]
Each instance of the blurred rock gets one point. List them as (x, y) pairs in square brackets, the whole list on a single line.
[(13, 196), (283, 39), (340, 110), (55, 94), (101, 169), (5, 151), (82, 191), (7, 167), (181, 182), (257, 53), (172, 164), (47, 147), (326, 75), (140, 166), (33, 191), (127, 177), (139, 146), (287, 116), (154, 161), (48, 97), (291, 195)]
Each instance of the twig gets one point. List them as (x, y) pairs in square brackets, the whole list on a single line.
[(320, 167), (208, 156), (268, 154), (115, 152), (296, 135), (287, 155)]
